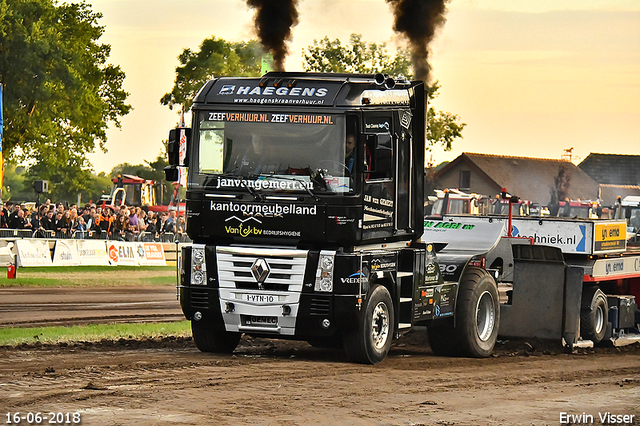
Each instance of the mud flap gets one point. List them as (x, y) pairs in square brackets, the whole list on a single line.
[(572, 299), (537, 303)]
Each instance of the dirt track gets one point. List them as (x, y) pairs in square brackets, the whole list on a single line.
[(268, 382), (49, 306), (289, 383)]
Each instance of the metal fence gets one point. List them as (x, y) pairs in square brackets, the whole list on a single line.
[(164, 237)]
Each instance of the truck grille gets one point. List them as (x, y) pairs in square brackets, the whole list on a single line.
[(286, 268)]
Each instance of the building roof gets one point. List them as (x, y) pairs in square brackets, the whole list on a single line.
[(612, 169), (534, 179), (610, 193)]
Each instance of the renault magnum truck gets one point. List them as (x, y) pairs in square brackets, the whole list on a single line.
[(305, 207)]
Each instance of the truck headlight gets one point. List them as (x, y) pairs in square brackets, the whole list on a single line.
[(324, 273), (198, 265), (197, 278)]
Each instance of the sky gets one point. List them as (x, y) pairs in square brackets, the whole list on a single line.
[(529, 78)]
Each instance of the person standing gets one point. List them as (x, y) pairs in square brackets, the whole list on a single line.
[(169, 225), (19, 221), (48, 221), (4, 216), (133, 221)]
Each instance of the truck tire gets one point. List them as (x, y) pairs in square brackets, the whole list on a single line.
[(477, 318), (370, 339), (477, 313), (594, 314), (208, 339)]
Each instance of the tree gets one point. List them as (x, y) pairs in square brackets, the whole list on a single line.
[(14, 186), (59, 90), (60, 94), (216, 58), (442, 127), (362, 57), (66, 173), (356, 57)]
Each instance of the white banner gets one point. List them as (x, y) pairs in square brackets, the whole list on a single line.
[(89, 252), (65, 253), (33, 252), (93, 252), (122, 253), (150, 254)]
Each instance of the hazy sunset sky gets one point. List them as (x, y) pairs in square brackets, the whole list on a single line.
[(529, 77)]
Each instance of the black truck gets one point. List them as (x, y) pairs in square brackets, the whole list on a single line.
[(305, 207)]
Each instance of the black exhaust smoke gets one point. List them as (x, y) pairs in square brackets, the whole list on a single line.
[(418, 21), (274, 20)]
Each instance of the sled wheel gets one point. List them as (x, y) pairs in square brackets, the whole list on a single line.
[(208, 339), (593, 315), (370, 340), (477, 313)]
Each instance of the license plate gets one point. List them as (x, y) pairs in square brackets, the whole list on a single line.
[(261, 298), (261, 320)]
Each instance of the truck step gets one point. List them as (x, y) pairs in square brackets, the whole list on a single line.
[(403, 325), (405, 274), (406, 299)]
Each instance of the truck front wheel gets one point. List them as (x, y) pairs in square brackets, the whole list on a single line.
[(369, 341), (208, 339), (594, 315)]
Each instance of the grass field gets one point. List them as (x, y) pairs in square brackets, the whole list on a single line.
[(75, 276), (92, 333)]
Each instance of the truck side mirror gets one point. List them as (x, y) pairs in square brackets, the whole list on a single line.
[(171, 174), (178, 136)]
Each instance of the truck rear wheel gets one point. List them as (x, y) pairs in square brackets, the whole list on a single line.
[(370, 340), (477, 313), (208, 339), (475, 330), (594, 315)]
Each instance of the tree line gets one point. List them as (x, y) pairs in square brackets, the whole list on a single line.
[(61, 93)]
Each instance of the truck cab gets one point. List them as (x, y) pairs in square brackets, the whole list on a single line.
[(629, 210), (287, 159), (454, 201)]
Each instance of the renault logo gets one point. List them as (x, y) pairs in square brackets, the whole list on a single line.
[(260, 270)]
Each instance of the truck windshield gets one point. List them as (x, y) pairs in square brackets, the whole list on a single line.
[(274, 151)]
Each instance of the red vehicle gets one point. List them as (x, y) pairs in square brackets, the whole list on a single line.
[(584, 209), (135, 191)]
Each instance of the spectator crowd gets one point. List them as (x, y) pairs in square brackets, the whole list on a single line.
[(123, 223)]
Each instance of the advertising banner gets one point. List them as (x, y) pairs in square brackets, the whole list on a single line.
[(150, 254), (122, 253), (93, 252), (610, 237), (65, 253), (33, 253)]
